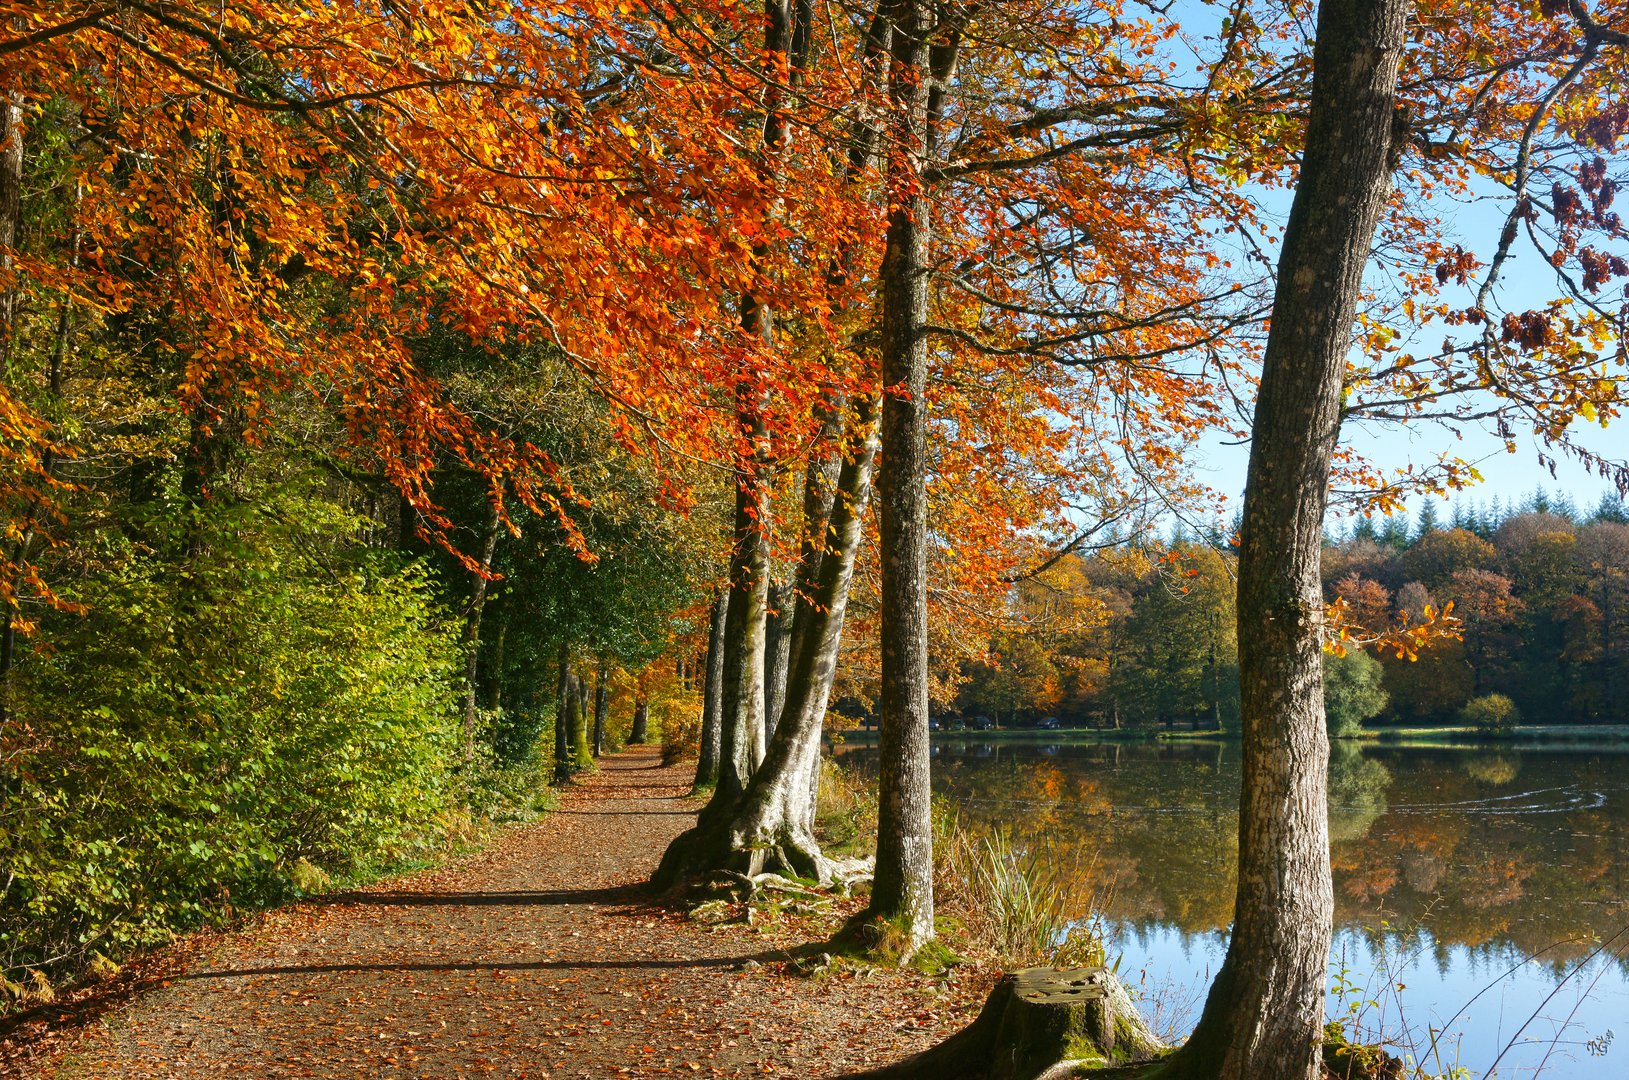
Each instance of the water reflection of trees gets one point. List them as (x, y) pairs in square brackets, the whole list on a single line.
[(1490, 852)]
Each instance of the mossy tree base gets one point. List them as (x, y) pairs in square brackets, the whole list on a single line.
[(877, 940), (1038, 1024)]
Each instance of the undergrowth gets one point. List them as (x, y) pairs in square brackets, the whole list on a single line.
[(1029, 903), (845, 812)]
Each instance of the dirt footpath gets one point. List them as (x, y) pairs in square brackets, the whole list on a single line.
[(539, 957)]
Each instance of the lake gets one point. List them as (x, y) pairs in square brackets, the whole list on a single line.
[(1490, 884)]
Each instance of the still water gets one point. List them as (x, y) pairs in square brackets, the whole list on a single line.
[(1490, 885)]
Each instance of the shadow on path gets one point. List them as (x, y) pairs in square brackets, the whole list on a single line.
[(635, 964), (542, 897), (627, 813)]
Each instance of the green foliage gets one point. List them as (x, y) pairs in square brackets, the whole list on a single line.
[(516, 735), (247, 705), (1495, 714), (1352, 692), (1178, 658)]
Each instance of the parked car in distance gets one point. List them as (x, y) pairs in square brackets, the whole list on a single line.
[(1051, 723), (958, 724), (982, 723)]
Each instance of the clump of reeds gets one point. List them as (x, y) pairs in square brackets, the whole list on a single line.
[(1031, 902)]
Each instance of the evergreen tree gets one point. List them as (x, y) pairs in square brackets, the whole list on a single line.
[(1428, 521), (1394, 533), (1612, 508)]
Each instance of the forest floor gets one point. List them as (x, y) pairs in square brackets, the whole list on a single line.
[(540, 956)]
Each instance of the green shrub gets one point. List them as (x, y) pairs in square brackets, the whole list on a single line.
[(249, 704), (1492, 713), (517, 735), (1352, 692)]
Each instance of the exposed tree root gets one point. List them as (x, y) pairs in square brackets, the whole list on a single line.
[(759, 855)]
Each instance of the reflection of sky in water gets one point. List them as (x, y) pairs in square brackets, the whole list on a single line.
[(1471, 859), (1520, 1005)]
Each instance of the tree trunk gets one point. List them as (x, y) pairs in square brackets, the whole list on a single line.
[(780, 805), (742, 701), (581, 757), (777, 653), (745, 713), (1263, 1019), (562, 721), (11, 217), (820, 481), (602, 701), (472, 626), (902, 891), (641, 724), (707, 762), (770, 827)]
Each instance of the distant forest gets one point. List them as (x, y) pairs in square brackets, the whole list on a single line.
[(1133, 636)]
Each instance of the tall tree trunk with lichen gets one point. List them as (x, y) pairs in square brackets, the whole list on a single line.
[(785, 44), (770, 826), (1263, 1019), (902, 890), (772, 822), (777, 651), (581, 757), (707, 761), (741, 702)]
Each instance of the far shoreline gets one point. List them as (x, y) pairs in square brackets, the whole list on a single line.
[(1458, 736)]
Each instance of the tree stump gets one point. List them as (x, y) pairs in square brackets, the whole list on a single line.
[(1039, 1024)]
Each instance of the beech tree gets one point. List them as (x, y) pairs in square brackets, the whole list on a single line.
[(1264, 1016)]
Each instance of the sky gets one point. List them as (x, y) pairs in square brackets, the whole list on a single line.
[(1527, 280), (1507, 477)]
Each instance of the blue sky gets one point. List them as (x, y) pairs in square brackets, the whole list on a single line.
[(1527, 281), (1507, 477)]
